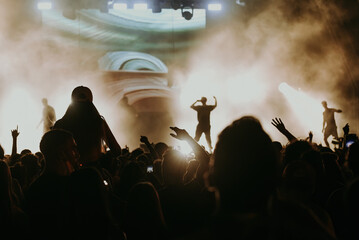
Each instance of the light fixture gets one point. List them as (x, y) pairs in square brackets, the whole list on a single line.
[(187, 11), (156, 6), (176, 4)]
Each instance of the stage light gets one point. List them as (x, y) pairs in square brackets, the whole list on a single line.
[(103, 6), (176, 4), (187, 12), (120, 6), (283, 87), (44, 5), (307, 109), (156, 6), (140, 6), (214, 7)]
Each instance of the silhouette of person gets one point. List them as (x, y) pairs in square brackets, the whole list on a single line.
[(48, 116), (329, 125), (90, 130), (203, 117)]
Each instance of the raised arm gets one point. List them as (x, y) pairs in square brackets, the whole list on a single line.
[(111, 140), (193, 104), (153, 152), (310, 137), (338, 110), (14, 133), (215, 101), (277, 122), (201, 155)]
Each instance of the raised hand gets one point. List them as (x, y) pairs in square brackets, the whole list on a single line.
[(144, 139), (310, 136), (277, 122), (15, 132), (180, 134)]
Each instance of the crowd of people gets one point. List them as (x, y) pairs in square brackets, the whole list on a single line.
[(83, 185)]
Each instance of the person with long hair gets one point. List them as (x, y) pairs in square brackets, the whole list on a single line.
[(90, 130)]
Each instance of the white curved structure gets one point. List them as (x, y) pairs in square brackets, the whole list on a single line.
[(143, 85), (131, 61)]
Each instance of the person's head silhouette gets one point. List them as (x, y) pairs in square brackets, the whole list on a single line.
[(204, 100), (81, 94), (324, 104), (44, 101)]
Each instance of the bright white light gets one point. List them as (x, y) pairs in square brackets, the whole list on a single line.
[(214, 7), (21, 108), (246, 87), (308, 110), (240, 3), (140, 6), (120, 6), (283, 87), (44, 5)]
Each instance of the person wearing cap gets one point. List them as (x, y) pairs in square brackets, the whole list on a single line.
[(90, 130), (203, 117)]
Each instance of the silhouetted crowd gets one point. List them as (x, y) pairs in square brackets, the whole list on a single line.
[(83, 185)]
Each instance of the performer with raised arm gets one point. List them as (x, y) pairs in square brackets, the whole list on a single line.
[(329, 125), (203, 116)]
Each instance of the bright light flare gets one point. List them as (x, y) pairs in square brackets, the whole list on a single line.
[(183, 147), (247, 87), (283, 87), (214, 7), (308, 111), (198, 85), (20, 108), (21, 105), (44, 5)]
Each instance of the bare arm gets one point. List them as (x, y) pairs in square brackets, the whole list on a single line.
[(215, 101), (193, 104), (201, 155), (153, 152), (111, 140), (277, 122), (14, 133), (310, 137)]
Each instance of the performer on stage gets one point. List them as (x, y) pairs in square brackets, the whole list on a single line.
[(48, 116), (329, 125), (203, 116)]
